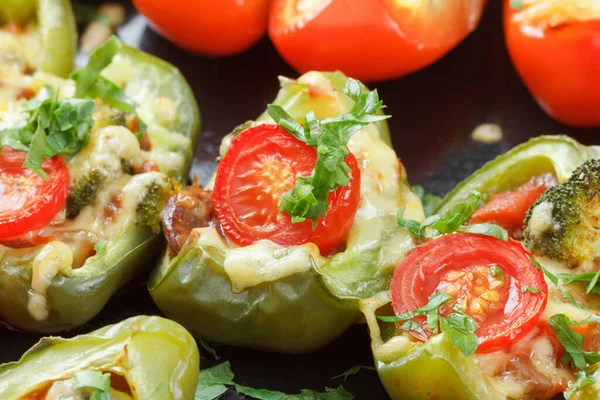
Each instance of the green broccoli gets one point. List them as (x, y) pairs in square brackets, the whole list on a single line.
[(563, 223), (84, 192), (149, 210)]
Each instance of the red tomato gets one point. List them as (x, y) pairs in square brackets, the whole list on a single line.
[(218, 28), (27, 201), (560, 65), (370, 40), (508, 209), (459, 264), (261, 165)]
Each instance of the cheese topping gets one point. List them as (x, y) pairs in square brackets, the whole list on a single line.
[(54, 257), (265, 261)]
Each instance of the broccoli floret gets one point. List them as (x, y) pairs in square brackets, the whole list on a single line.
[(149, 210), (563, 223), (84, 192)]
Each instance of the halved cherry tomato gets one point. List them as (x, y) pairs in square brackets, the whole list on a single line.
[(370, 40), (27, 201), (508, 209), (218, 28), (261, 165), (557, 55), (461, 265)]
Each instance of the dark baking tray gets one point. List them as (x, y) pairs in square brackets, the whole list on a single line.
[(434, 112)]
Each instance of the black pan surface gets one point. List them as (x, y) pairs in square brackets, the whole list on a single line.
[(434, 112)]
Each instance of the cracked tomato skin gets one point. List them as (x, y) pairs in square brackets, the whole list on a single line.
[(559, 65), (217, 28), (371, 40)]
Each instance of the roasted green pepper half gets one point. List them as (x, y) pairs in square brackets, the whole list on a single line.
[(142, 357), (39, 291), (557, 154), (423, 371), (50, 30), (293, 300)]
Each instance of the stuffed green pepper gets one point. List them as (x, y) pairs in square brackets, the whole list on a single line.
[(140, 358), (295, 227), (35, 35), (86, 167), (501, 298)]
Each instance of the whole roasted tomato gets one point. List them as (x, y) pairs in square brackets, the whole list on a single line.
[(370, 40), (555, 46), (219, 28)]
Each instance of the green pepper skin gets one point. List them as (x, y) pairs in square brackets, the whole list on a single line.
[(77, 298), (58, 31), (197, 291), (294, 314), (433, 371), (158, 358), (559, 154)]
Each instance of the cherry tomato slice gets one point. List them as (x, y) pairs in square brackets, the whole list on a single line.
[(261, 165), (461, 265), (27, 201), (509, 209)]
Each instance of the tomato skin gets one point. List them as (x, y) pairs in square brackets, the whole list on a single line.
[(560, 67), (509, 209), (371, 40), (27, 202), (218, 28), (247, 194), (417, 277)]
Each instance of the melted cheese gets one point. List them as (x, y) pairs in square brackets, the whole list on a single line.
[(18, 55), (105, 151), (265, 261), (541, 218), (53, 258)]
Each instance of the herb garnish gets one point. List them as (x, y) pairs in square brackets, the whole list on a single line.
[(329, 136), (90, 84), (575, 356), (93, 380), (53, 127), (353, 371), (496, 271), (529, 289), (458, 325), (217, 380), (452, 221), (591, 278), (555, 281)]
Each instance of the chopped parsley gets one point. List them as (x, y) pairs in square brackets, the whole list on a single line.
[(575, 356), (52, 127), (458, 325), (90, 84), (529, 289), (329, 136), (556, 282), (496, 271), (452, 221), (215, 381)]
